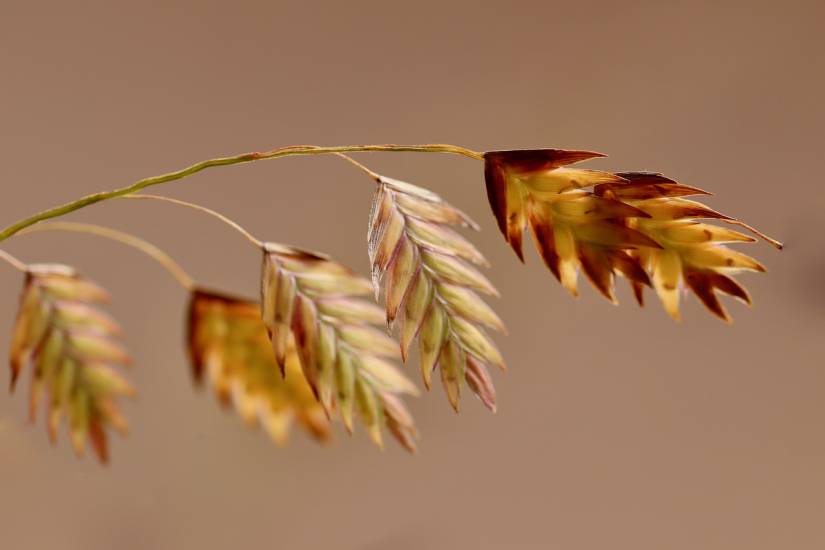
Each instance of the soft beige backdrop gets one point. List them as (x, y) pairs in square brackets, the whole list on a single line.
[(617, 428)]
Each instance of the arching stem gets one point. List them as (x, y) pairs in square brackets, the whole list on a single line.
[(174, 268), (234, 225), (228, 161)]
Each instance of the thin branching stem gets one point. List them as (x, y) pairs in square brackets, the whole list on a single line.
[(164, 259), (228, 161), (231, 223), (360, 166), (14, 262)]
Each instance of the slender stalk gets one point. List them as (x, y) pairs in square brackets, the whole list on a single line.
[(228, 161), (174, 268), (14, 262), (360, 166), (234, 225)]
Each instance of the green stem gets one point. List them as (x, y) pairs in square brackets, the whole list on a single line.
[(228, 161)]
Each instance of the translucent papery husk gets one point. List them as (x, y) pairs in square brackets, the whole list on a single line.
[(430, 283), (636, 224), (71, 348), (345, 357)]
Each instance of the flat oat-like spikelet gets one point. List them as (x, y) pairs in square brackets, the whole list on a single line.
[(572, 228), (691, 252), (230, 348), (69, 344), (635, 224), (431, 284), (344, 356)]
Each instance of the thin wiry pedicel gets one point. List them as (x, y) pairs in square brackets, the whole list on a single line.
[(431, 284), (636, 224), (345, 357), (70, 346)]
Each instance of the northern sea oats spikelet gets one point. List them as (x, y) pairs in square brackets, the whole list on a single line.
[(70, 346), (637, 224), (345, 357), (230, 350), (431, 284)]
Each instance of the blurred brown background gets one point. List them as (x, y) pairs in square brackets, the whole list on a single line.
[(617, 428)]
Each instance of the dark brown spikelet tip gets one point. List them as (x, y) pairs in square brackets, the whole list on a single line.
[(507, 171), (318, 306), (519, 161), (431, 285), (230, 351), (635, 224), (71, 347)]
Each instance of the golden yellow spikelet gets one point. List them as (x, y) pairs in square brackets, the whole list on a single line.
[(230, 350), (636, 224), (691, 253)]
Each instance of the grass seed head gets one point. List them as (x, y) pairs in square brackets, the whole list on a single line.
[(72, 350)]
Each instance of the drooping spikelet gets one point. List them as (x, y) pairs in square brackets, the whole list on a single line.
[(571, 227), (690, 252), (430, 283), (69, 344), (344, 356), (635, 224), (230, 349)]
